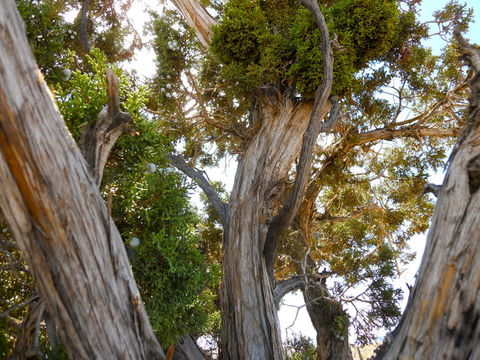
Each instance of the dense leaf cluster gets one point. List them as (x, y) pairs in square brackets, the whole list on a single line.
[(270, 42)]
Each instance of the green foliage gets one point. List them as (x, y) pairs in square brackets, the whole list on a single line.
[(255, 43), (84, 95), (149, 203), (54, 41), (300, 348), (49, 35)]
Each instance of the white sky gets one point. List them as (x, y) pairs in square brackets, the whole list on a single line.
[(145, 67)]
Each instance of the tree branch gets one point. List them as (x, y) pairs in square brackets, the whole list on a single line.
[(354, 214), (283, 287), (431, 188), (220, 207), (198, 18), (84, 25), (469, 54), (22, 304), (96, 142), (287, 213)]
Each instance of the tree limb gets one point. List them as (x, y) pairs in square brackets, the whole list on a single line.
[(18, 306), (198, 18), (354, 214), (283, 287), (220, 207), (431, 188), (469, 54), (84, 25), (287, 213), (97, 141)]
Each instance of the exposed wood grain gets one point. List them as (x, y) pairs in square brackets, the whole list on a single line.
[(292, 203), (248, 309), (59, 219)]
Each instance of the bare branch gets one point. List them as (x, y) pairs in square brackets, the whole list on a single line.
[(431, 188), (283, 287), (353, 215), (84, 26), (469, 54), (96, 142), (287, 213), (18, 306), (198, 18), (220, 207)]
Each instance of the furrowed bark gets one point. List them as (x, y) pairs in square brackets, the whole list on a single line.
[(250, 324), (326, 315), (442, 316), (58, 217)]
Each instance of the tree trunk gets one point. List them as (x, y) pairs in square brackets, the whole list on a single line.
[(260, 209), (442, 316), (25, 346), (250, 324), (61, 224), (330, 322)]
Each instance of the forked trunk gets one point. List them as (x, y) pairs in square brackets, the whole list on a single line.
[(250, 324)]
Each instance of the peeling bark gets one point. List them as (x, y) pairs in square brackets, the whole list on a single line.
[(58, 217), (198, 18), (250, 321)]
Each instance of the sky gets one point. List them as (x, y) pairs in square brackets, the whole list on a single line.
[(294, 317)]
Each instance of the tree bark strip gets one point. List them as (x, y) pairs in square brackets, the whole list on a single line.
[(58, 217)]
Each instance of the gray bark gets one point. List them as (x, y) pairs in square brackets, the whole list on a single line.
[(54, 208)]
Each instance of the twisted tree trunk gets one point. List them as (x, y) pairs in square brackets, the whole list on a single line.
[(260, 209), (250, 324), (58, 217)]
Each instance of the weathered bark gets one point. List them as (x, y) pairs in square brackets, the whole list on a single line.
[(198, 18), (187, 349), (329, 320), (258, 213), (97, 141), (250, 324), (58, 217), (442, 316)]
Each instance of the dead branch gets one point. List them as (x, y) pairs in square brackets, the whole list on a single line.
[(97, 141)]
